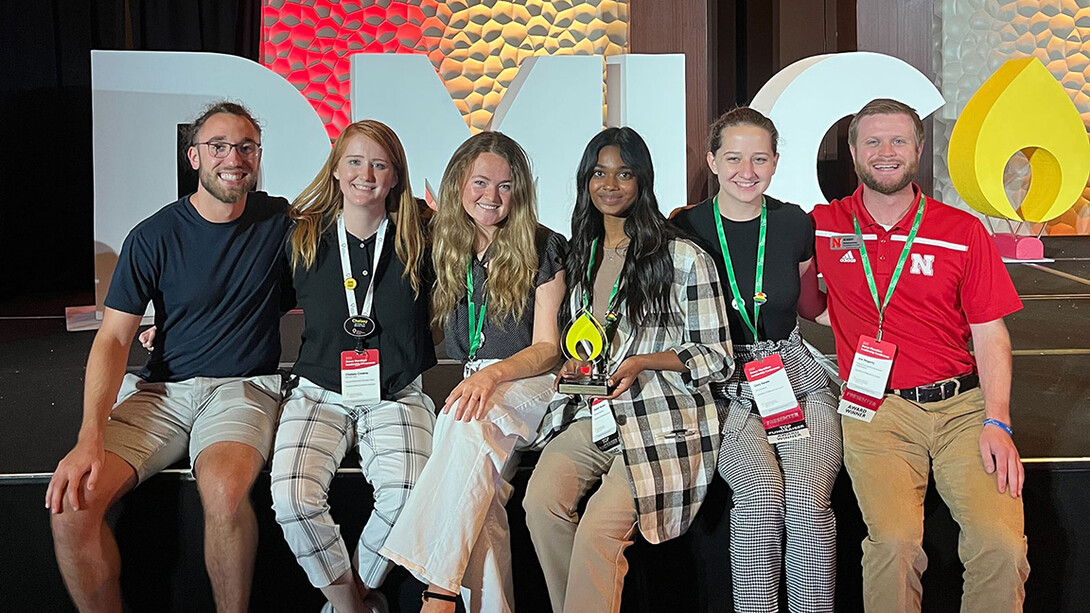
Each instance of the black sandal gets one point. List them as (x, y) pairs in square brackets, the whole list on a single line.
[(426, 596)]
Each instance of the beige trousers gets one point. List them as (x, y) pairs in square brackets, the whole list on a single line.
[(889, 460), (582, 557)]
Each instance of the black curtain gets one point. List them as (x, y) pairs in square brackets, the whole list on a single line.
[(46, 208)]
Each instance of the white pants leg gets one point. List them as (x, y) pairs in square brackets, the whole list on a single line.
[(487, 584), (453, 530), (394, 442), (314, 434)]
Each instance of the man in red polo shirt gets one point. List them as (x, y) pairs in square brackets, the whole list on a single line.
[(939, 408)]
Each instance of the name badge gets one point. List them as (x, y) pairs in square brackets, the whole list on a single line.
[(360, 380), (844, 242), (780, 411), (603, 425), (867, 380)]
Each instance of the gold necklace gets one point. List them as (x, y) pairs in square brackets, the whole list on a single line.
[(613, 253)]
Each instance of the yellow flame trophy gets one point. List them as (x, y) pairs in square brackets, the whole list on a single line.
[(585, 339), (1021, 107)]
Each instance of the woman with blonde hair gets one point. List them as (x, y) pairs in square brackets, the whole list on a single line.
[(360, 273), (499, 284)]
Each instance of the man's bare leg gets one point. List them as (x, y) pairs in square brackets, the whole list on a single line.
[(225, 474), (84, 545)]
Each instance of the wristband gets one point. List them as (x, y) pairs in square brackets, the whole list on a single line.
[(999, 424)]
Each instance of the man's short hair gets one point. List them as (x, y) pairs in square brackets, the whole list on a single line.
[(221, 106), (885, 106)]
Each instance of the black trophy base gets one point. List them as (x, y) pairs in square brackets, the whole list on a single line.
[(585, 387)]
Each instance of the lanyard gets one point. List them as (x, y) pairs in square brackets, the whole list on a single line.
[(476, 318), (611, 316), (758, 276), (896, 271), (346, 268)]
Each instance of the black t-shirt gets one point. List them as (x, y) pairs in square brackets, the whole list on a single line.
[(402, 335), (502, 342), (216, 288), (789, 241)]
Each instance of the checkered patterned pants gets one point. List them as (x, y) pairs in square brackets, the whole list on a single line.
[(777, 487), (393, 439)]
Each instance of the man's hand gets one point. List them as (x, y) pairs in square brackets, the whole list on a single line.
[(147, 338), (472, 396), (85, 460), (992, 344), (1001, 457)]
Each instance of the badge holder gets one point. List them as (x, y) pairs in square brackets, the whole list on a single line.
[(866, 386), (603, 425), (361, 381), (780, 412), (585, 340)]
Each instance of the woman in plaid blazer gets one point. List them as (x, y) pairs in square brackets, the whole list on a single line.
[(652, 442)]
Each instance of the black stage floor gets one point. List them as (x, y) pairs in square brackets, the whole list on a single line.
[(41, 372)]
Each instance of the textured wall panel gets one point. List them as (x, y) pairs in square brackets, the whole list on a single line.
[(976, 37), (475, 45)]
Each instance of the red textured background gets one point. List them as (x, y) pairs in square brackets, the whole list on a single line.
[(308, 41)]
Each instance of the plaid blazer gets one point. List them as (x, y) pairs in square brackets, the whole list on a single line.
[(667, 420)]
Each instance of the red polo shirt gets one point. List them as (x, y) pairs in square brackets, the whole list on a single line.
[(953, 277)]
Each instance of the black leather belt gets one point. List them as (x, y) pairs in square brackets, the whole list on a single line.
[(942, 390)]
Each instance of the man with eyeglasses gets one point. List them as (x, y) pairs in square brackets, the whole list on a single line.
[(212, 265)]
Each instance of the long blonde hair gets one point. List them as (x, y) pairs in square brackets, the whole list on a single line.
[(316, 208), (512, 256)]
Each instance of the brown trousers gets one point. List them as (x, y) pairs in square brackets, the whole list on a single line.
[(889, 460)]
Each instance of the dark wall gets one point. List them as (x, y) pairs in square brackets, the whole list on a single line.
[(46, 246), (732, 48), (904, 30), (683, 26)]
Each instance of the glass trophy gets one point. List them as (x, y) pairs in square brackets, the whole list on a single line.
[(585, 339)]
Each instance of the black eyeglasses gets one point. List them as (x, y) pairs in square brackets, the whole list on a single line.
[(222, 148)]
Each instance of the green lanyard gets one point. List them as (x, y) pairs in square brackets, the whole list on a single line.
[(896, 271), (758, 277), (476, 318)]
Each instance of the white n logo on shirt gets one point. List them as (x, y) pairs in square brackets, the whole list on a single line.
[(923, 264)]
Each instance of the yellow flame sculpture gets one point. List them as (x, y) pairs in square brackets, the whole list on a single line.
[(584, 339), (1021, 107)]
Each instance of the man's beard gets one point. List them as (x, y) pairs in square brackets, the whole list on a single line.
[(227, 195), (911, 168)]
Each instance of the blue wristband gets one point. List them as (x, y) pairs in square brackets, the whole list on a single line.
[(999, 424)]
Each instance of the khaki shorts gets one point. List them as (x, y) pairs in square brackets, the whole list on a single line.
[(153, 424)]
